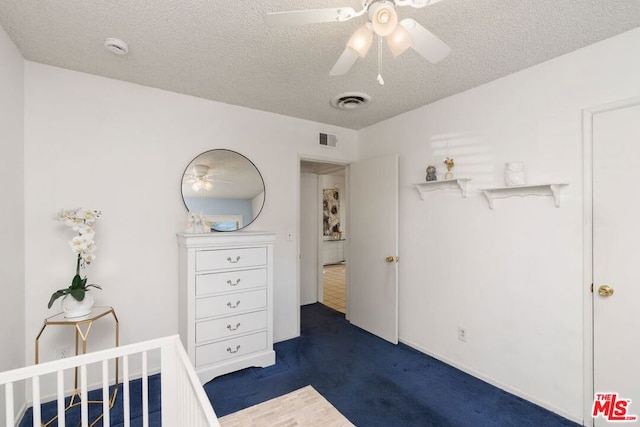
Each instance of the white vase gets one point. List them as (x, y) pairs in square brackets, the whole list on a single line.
[(74, 308), (514, 174)]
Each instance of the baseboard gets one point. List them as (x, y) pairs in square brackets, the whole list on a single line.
[(282, 339), (493, 382), (21, 413)]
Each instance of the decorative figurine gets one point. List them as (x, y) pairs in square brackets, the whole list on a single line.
[(449, 163), (514, 174), (431, 173), (198, 223), (191, 221)]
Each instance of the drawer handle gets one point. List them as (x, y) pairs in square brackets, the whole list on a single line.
[(233, 351), (231, 328), (230, 283), (232, 261), (233, 306)]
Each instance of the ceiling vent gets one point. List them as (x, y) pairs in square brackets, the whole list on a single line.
[(350, 100), (117, 46)]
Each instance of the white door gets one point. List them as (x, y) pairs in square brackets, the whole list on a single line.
[(373, 236), (309, 211), (616, 259)]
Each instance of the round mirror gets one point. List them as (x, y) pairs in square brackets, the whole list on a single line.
[(225, 187)]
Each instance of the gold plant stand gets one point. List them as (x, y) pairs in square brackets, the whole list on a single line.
[(82, 326)]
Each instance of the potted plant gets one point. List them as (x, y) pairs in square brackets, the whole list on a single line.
[(76, 301)]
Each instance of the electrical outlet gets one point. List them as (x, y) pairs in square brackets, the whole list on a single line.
[(462, 334), (63, 352)]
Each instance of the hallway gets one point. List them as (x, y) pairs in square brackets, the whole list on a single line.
[(334, 286)]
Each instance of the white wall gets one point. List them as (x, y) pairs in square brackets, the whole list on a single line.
[(511, 276), (122, 148), (12, 303)]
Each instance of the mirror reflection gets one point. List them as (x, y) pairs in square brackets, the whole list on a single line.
[(225, 187)]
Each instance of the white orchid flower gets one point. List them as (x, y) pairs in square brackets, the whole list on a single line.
[(85, 230), (90, 246), (78, 244), (80, 220)]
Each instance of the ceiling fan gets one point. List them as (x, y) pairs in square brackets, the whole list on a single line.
[(201, 178), (382, 21)]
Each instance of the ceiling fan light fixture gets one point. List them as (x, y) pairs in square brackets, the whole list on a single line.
[(399, 41), (202, 184), (361, 40), (383, 17)]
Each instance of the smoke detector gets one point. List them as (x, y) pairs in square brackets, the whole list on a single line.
[(117, 46), (350, 100)]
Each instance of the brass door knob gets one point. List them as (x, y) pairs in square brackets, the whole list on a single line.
[(605, 291), (392, 259)]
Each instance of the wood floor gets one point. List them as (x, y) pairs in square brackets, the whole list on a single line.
[(334, 295)]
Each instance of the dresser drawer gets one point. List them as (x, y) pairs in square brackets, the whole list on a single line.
[(229, 326), (233, 280), (228, 349), (224, 305), (230, 258)]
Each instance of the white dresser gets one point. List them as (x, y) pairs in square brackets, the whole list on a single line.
[(226, 300)]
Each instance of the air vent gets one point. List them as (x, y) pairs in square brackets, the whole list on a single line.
[(350, 100), (117, 46), (328, 140)]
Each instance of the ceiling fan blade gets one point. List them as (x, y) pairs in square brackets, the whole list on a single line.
[(311, 16), (425, 42), (344, 63)]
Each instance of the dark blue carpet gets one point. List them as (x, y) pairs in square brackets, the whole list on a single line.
[(370, 381), (373, 382), (49, 410)]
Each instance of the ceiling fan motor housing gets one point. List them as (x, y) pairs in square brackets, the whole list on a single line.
[(200, 170)]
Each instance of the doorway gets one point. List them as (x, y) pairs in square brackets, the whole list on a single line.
[(323, 234), (371, 186)]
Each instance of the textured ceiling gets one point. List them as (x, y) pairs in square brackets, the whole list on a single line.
[(223, 50)]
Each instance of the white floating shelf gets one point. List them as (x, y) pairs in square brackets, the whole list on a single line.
[(522, 191), (447, 184)]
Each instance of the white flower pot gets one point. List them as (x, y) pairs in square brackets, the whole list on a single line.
[(74, 308)]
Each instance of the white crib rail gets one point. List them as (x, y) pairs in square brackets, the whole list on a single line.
[(184, 402)]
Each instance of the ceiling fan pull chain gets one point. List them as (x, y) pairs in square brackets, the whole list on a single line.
[(380, 79)]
